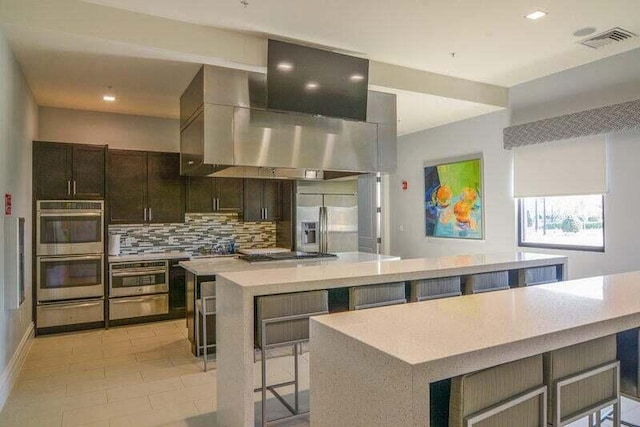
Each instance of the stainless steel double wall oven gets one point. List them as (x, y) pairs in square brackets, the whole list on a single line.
[(70, 275)]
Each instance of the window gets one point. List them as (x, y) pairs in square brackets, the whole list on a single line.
[(563, 222)]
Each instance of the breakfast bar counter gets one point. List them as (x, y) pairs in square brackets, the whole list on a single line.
[(374, 367), (235, 325)]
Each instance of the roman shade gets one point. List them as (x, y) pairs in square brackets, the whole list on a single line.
[(561, 168)]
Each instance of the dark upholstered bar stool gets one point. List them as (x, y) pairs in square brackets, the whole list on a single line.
[(508, 395), (371, 296), (583, 379), (427, 289), (537, 275), (205, 306), (283, 320), (486, 282)]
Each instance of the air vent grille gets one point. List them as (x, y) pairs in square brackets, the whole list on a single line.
[(614, 35)]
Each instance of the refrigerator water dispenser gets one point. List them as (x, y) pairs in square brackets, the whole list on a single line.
[(309, 234)]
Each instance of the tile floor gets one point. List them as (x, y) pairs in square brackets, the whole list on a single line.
[(141, 376)]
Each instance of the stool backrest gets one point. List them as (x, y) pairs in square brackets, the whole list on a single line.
[(284, 318), (476, 392), (361, 297), (486, 282), (579, 396), (208, 297), (441, 287), (539, 275)]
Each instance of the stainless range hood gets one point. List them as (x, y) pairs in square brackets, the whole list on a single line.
[(226, 130)]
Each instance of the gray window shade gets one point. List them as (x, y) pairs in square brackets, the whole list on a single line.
[(561, 168)]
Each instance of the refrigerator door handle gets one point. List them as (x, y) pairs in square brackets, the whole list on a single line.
[(323, 246)]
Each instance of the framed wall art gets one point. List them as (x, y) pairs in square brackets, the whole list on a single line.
[(454, 198)]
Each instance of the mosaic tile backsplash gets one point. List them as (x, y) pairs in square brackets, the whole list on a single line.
[(199, 232)]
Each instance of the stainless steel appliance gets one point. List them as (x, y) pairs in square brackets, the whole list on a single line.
[(138, 289), (327, 217), (70, 277), (285, 256), (68, 227), (227, 130), (73, 277)]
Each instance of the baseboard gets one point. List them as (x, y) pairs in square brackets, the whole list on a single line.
[(11, 371)]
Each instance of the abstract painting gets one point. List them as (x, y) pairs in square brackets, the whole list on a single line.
[(453, 199)]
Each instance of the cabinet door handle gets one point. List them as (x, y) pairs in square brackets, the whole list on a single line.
[(150, 215), (213, 203), (145, 214), (74, 188), (68, 188), (217, 204)]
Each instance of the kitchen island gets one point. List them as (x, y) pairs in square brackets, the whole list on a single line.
[(374, 367), (237, 290), (207, 269)]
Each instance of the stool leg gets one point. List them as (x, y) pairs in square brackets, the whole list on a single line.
[(616, 413), (197, 333), (263, 362), (204, 340), (598, 419), (590, 420), (295, 377)]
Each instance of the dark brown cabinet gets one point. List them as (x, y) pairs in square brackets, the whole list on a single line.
[(261, 200), (205, 194), (145, 187), (68, 171)]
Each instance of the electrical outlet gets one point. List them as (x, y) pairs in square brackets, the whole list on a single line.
[(401, 228)]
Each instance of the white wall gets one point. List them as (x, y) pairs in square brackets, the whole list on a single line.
[(478, 135), (605, 82), (18, 124), (119, 131)]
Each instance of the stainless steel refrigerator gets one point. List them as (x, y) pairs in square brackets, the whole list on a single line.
[(327, 217)]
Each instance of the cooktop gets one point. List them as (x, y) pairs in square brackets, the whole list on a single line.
[(282, 256)]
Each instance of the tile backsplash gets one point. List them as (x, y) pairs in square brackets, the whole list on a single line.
[(198, 231)]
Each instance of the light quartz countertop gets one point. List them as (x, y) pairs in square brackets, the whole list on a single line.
[(213, 266), (378, 363), (343, 358), (332, 274)]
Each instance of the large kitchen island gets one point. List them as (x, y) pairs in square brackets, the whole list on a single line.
[(236, 292), (207, 269)]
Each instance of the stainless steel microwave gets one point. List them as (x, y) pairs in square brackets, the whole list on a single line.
[(69, 227)]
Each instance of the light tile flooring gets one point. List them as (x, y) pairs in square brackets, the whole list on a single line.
[(143, 375)]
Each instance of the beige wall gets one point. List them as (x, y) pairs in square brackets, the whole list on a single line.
[(119, 131), (18, 124)]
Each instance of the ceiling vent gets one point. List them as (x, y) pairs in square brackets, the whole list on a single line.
[(611, 36)]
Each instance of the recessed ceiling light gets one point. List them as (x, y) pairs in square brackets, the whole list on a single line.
[(356, 77), (536, 15), (312, 86), (285, 66), (109, 98)]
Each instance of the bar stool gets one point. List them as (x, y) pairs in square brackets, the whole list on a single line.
[(508, 395), (283, 320), (426, 289), (486, 282), (370, 296), (583, 379), (537, 275), (205, 307)]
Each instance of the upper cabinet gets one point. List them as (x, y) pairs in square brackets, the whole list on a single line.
[(205, 194), (261, 200), (145, 187), (68, 171)]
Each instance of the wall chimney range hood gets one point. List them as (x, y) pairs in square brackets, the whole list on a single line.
[(226, 130)]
